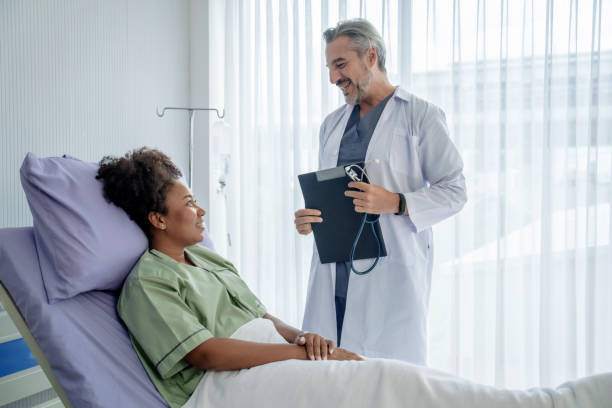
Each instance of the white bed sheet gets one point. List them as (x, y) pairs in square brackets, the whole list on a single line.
[(373, 383)]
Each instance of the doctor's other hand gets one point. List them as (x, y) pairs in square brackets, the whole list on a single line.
[(372, 199), (317, 347), (341, 354), (304, 218)]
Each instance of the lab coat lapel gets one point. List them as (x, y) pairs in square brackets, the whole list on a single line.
[(331, 148), (380, 130)]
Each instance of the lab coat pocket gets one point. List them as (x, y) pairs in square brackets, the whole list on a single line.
[(404, 158)]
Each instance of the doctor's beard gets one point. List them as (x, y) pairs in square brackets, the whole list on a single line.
[(361, 87)]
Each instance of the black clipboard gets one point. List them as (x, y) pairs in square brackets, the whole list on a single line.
[(324, 190)]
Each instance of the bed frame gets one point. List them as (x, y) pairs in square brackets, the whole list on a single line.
[(15, 315)]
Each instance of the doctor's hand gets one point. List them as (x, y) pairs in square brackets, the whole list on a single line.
[(372, 199), (341, 354), (317, 347), (305, 217)]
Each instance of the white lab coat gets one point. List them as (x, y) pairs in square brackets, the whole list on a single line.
[(386, 310)]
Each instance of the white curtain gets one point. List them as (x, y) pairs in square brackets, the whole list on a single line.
[(522, 285)]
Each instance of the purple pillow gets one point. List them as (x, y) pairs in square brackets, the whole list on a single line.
[(83, 242)]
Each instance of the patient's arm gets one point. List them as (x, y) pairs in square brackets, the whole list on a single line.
[(229, 354), (289, 333), (317, 347)]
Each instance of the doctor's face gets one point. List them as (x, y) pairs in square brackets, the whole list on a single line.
[(348, 70), (183, 221)]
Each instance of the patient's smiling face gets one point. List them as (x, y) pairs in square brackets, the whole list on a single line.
[(183, 223)]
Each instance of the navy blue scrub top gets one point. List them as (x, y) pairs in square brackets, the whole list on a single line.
[(353, 149)]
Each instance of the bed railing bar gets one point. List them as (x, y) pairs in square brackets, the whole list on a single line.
[(15, 315)]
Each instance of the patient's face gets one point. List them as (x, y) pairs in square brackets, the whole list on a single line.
[(184, 223)]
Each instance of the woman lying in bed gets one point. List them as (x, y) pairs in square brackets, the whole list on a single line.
[(181, 302), (194, 323)]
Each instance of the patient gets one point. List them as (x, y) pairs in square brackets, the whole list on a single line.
[(181, 302)]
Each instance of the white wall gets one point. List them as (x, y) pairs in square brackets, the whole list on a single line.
[(84, 78)]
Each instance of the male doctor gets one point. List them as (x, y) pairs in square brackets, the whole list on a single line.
[(417, 181)]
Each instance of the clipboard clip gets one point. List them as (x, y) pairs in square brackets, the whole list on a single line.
[(351, 171)]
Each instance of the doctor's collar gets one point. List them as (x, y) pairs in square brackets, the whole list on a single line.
[(401, 93)]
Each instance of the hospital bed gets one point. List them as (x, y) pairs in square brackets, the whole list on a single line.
[(80, 343), (76, 335)]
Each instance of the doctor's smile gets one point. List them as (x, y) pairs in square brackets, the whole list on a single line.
[(343, 85)]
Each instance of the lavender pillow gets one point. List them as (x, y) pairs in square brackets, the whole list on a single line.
[(83, 242)]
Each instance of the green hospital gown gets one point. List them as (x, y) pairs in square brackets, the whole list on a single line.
[(170, 308)]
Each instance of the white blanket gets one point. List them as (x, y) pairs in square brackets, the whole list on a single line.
[(373, 383)]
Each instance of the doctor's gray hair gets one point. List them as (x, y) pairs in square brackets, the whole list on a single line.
[(363, 35)]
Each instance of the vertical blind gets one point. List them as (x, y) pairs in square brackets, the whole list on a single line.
[(523, 275)]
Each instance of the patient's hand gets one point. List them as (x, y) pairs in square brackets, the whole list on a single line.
[(341, 354), (317, 347)]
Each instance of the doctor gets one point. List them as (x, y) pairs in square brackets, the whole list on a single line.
[(417, 181)]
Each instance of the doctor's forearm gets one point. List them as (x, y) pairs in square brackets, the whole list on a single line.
[(428, 206)]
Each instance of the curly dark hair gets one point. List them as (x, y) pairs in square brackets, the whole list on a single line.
[(138, 183)]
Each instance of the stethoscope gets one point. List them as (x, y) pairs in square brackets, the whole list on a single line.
[(352, 174)]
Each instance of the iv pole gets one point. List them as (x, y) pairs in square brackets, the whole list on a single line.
[(191, 111)]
